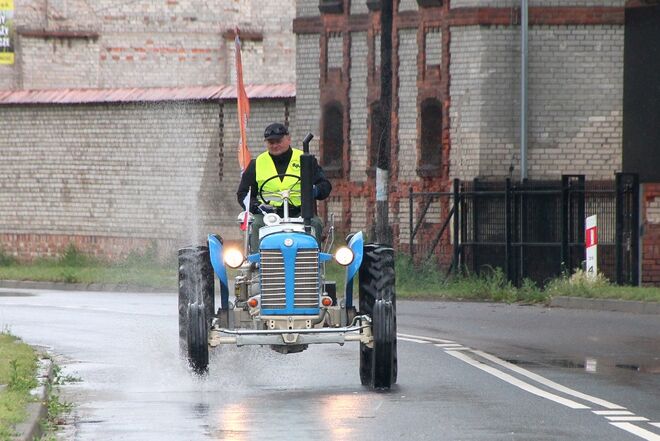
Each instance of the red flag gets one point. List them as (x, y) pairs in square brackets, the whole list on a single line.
[(243, 109), (243, 105)]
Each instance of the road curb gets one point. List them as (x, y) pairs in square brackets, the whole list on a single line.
[(61, 286), (37, 411), (631, 306)]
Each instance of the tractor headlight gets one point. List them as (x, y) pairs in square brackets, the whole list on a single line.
[(344, 256), (233, 257)]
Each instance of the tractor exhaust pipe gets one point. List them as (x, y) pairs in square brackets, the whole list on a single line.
[(306, 181)]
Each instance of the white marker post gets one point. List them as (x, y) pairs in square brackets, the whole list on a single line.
[(591, 242)]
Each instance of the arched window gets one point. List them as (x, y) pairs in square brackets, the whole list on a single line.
[(376, 133), (431, 137), (333, 136)]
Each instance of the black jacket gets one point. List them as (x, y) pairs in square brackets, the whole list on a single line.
[(249, 179)]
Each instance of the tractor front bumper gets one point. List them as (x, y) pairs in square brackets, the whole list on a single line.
[(305, 336)]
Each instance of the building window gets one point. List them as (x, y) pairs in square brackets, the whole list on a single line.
[(429, 3), (433, 47), (335, 50), (376, 132), (430, 156), (331, 6), (333, 138)]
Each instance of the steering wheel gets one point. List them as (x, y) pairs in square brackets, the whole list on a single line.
[(278, 196)]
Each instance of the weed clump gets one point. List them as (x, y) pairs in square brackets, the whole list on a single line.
[(580, 283)]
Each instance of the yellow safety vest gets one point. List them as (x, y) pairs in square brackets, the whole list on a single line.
[(265, 168)]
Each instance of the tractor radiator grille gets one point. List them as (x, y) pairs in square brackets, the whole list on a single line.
[(307, 279), (273, 291)]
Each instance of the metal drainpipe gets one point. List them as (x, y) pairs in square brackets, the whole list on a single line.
[(523, 89)]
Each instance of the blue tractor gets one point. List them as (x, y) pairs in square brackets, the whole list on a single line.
[(281, 296)]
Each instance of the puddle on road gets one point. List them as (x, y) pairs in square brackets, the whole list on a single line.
[(593, 365), (17, 294)]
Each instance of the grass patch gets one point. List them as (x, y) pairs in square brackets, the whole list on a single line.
[(579, 285), (423, 281), (18, 365), (426, 282), (57, 407), (137, 269)]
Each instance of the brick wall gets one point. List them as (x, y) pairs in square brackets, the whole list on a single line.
[(407, 130), (307, 89), (651, 236), (433, 47), (466, 73), (574, 106), (533, 3), (407, 5), (335, 50), (359, 214), (148, 44), (358, 107), (469, 60), (110, 177), (307, 8), (359, 7)]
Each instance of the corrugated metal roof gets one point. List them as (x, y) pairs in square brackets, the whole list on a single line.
[(79, 96)]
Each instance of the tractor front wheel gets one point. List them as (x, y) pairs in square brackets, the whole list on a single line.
[(196, 305), (378, 364)]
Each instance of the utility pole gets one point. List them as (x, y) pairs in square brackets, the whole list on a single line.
[(383, 229)]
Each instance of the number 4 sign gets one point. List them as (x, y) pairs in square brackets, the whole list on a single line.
[(591, 242)]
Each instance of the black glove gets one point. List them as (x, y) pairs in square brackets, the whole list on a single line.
[(266, 208)]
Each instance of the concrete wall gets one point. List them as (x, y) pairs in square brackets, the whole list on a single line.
[(148, 44), (106, 176)]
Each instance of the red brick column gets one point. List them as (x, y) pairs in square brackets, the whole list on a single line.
[(651, 238)]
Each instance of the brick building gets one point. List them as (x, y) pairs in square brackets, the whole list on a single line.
[(119, 122), (114, 170), (144, 43), (456, 99)]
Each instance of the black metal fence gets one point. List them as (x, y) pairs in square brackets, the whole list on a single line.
[(535, 229)]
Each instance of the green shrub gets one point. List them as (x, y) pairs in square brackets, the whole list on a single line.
[(73, 257), (6, 259)]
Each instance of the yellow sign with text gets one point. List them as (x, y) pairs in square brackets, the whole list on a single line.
[(7, 32)]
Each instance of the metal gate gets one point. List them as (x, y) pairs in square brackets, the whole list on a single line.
[(535, 229)]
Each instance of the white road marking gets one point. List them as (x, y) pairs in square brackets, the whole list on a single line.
[(421, 337), (549, 383), (619, 417), (613, 412), (448, 345), (414, 340), (635, 430), (516, 382), (626, 418)]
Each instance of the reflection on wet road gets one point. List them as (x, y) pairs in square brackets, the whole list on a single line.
[(458, 376)]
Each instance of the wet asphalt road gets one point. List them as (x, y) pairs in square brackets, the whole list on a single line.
[(573, 375)]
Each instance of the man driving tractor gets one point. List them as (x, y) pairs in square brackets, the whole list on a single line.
[(280, 159)]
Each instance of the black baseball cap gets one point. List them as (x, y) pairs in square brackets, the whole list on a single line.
[(275, 131)]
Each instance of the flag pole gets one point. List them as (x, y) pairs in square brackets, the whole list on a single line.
[(243, 110)]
